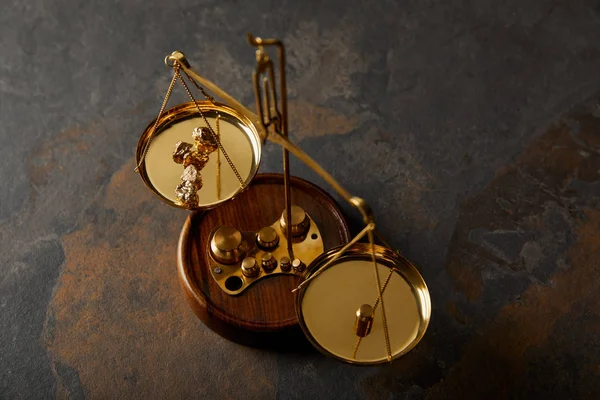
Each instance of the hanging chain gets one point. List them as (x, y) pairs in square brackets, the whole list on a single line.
[(358, 340), (200, 88), (380, 298), (380, 290), (387, 280), (162, 110), (212, 132), (218, 177)]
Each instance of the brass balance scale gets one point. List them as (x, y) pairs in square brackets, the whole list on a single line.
[(263, 254)]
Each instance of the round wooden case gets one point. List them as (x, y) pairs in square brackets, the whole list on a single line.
[(265, 314)]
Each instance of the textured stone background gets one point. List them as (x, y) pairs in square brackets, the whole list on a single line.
[(472, 128)]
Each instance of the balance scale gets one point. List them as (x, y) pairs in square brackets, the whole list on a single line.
[(266, 258)]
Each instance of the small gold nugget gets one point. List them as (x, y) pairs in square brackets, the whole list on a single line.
[(182, 149), (187, 194), (203, 140)]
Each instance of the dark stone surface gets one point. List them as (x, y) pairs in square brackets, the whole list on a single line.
[(472, 129)]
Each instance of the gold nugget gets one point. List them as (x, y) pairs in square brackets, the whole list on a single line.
[(194, 157)]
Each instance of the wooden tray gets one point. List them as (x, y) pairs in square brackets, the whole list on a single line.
[(264, 315)]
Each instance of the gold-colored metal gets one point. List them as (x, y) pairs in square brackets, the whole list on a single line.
[(269, 263), (298, 266), (356, 346), (178, 56), (194, 158), (358, 340), (364, 320), (380, 297), (161, 174), (285, 264), (249, 267), (218, 176), (300, 223), (269, 113), (271, 117), (267, 238), (142, 157), (213, 135), (327, 306), (387, 280), (307, 250), (227, 246), (341, 251)]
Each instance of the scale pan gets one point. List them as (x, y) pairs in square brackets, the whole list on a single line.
[(327, 305), (162, 174)]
